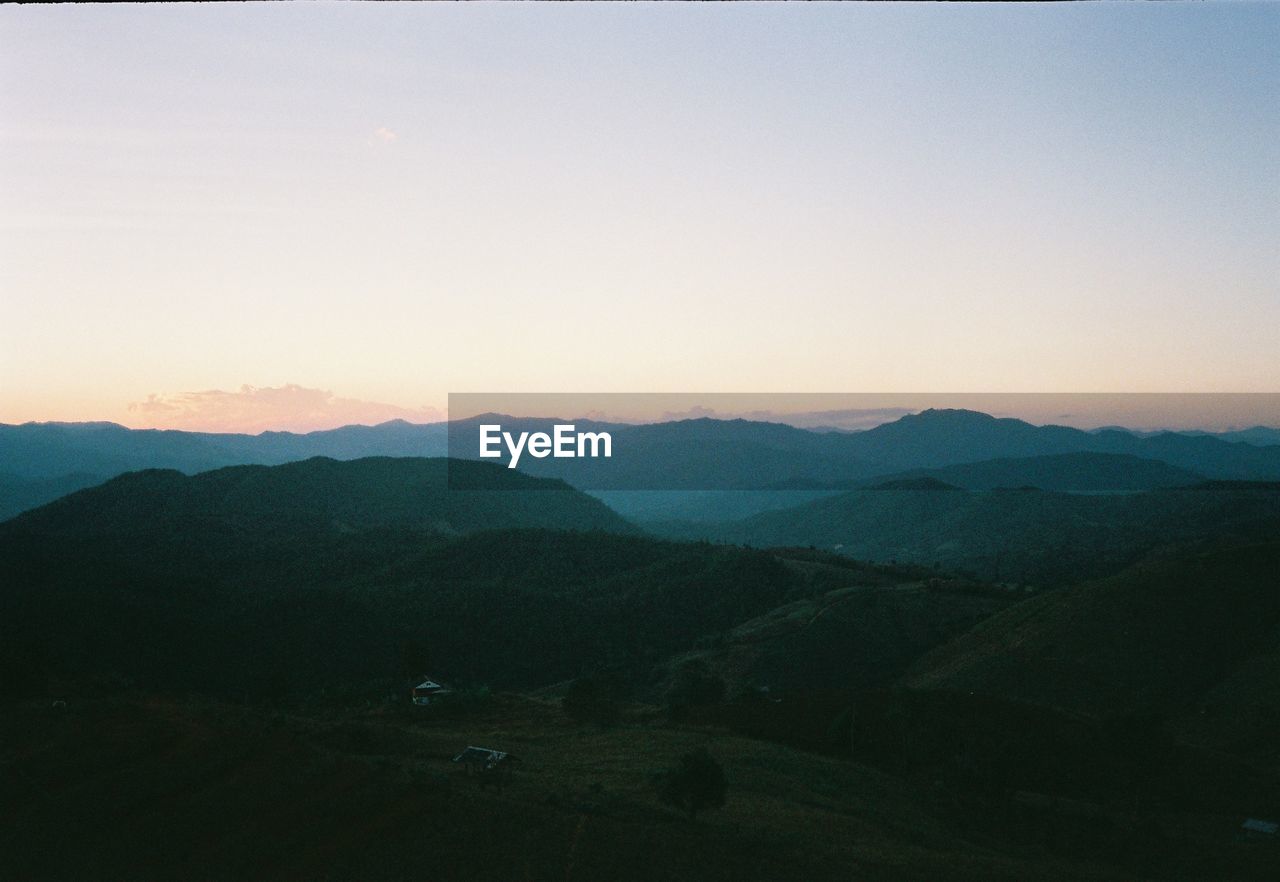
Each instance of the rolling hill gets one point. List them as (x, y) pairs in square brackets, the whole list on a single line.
[(1021, 535), (860, 636), (322, 493), (1061, 472), (269, 579), (233, 648), (697, 457), (151, 787), (1192, 636), (45, 450)]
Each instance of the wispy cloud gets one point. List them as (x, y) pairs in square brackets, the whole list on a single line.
[(382, 135), (261, 408)]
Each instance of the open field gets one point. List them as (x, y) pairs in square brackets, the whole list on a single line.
[(137, 788)]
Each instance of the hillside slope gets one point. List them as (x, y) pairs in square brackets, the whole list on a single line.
[(1025, 536), (1193, 637), (151, 788), (1062, 472), (325, 494)]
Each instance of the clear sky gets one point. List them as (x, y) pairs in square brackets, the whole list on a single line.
[(206, 210)]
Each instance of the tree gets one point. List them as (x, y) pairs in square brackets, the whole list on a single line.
[(697, 783)]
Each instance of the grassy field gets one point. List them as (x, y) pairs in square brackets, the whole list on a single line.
[(136, 788)]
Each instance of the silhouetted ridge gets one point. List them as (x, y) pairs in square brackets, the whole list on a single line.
[(915, 484), (1022, 534), (1269, 486), (322, 493)]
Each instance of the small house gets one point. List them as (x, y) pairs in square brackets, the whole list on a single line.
[(1256, 829), (424, 692), (491, 766)]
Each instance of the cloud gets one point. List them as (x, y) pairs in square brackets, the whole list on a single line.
[(383, 135), (255, 409)]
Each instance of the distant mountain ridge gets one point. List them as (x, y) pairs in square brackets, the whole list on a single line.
[(1030, 536), (937, 438), (1259, 436), (42, 450), (1063, 472), (685, 455)]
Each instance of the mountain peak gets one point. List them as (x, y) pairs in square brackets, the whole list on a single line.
[(951, 416)]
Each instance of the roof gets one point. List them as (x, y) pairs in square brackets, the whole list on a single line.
[(428, 686), (483, 755), (1254, 825)]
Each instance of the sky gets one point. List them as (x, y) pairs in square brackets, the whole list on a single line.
[(242, 216)]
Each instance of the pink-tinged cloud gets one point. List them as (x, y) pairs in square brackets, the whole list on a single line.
[(384, 135), (255, 409)]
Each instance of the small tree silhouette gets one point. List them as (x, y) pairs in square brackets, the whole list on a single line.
[(696, 784)]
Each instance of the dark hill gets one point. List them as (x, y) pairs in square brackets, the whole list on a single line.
[(1192, 637), (325, 494), (277, 613), (1065, 472), (1040, 538), (914, 483)]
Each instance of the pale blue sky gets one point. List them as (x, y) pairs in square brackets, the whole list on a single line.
[(397, 201)]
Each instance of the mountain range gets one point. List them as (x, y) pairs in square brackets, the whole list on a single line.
[(231, 650), (1022, 535), (40, 461)]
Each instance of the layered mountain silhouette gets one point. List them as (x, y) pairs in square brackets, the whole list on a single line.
[(42, 460), (1024, 535), (1065, 472), (323, 494), (268, 580), (752, 466), (43, 450), (249, 631)]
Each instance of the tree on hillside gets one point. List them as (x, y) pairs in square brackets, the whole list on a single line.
[(697, 783)]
